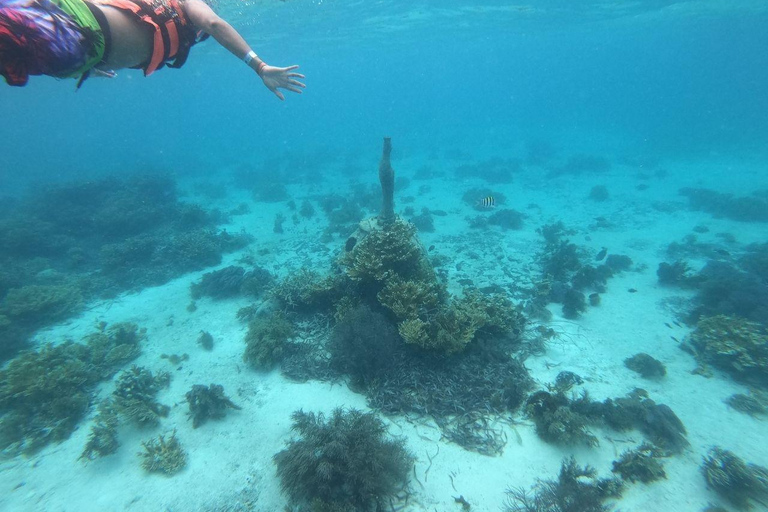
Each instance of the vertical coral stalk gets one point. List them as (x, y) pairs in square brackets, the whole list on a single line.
[(387, 179)]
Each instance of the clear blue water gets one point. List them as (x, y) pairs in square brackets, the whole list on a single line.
[(665, 78)]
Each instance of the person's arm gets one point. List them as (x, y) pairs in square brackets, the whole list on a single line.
[(209, 22)]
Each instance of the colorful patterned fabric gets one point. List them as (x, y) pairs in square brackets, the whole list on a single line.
[(59, 38)]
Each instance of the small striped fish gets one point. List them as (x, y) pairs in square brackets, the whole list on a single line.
[(487, 202)]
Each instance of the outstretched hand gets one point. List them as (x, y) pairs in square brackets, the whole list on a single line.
[(281, 78)]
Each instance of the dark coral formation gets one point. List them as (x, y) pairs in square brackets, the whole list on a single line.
[(562, 420), (566, 276), (230, 282), (557, 422), (208, 402), (344, 462), (577, 489), (641, 464), (746, 208), (740, 483), (266, 340), (754, 404), (647, 366)]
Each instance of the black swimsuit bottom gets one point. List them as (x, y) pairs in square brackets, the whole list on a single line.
[(104, 24)]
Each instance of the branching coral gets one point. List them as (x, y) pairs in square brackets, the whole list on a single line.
[(307, 291), (163, 456), (44, 394), (389, 250), (134, 396), (735, 345), (738, 482)]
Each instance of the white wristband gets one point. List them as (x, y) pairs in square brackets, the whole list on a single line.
[(249, 57)]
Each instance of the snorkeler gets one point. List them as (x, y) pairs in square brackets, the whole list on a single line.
[(77, 38)]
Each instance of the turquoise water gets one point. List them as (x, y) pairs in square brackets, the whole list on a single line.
[(641, 126), (670, 78)]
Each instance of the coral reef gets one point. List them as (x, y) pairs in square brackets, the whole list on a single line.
[(561, 420), (344, 462), (555, 420), (647, 366), (733, 479), (45, 393), (746, 209), (163, 456), (755, 404), (266, 339), (676, 274), (41, 304), (205, 340), (67, 244), (219, 284), (734, 345), (384, 252), (307, 291), (102, 440), (424, 221), (135, 396), (640, 464), (727, 290), (577, 489), (618, 262), (208, 402), (507, 218), (114, 346)]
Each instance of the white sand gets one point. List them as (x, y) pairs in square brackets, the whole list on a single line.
[(230, 460)]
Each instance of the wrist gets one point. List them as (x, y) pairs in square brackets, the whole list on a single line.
[(260, 67)]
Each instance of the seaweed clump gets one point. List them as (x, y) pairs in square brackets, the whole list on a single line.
[(208, 402), (733, 479), (577, 489), (734, 345), (163, 455), (345, 462)]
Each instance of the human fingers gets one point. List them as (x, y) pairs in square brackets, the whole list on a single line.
[(292, 89), (296, 83), (290, 68), (295, 75), (279, 95)]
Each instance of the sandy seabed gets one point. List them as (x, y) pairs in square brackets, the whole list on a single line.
[(230, 460)]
